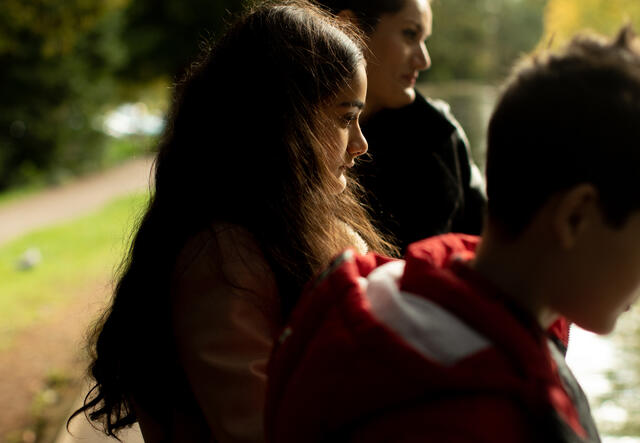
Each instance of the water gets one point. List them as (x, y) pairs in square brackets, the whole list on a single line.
[(608, 368)]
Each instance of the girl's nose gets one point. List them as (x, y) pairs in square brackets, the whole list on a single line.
[(357, 143)]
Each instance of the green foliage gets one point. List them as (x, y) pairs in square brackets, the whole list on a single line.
[(64, 63), (74, 256), (57, 59), (164, 36), (479, 40), (519, 27), (119, 149)]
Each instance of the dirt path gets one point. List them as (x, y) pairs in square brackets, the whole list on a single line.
[(31, 410), (69, 201), (43, 359)]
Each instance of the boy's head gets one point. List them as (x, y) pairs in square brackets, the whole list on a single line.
[(563, 167), (566, 119)]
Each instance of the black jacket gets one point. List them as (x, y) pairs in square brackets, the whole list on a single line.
[(420, 179)]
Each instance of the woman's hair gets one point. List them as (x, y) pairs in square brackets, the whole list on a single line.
[(244, 145), (368, 12)]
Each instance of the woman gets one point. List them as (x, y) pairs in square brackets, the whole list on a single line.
[(420, 180), (251, 200)]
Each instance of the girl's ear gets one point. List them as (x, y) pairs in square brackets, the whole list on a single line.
[(349, 15), (575, 211)]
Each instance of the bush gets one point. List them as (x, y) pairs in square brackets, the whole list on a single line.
[(57, 70)]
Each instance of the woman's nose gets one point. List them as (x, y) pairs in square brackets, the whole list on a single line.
[(421, 57)]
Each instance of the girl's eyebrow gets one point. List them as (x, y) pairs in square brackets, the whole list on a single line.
[(354, 104)]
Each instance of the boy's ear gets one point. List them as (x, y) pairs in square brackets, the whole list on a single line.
[(349, 15), (574, 213)]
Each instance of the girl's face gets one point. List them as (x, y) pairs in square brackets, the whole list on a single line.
[(397, 53), (344, 123)]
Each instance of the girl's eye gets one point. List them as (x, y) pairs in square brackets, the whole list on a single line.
[(348, 119)]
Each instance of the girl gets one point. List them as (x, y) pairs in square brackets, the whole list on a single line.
[(252, 198)]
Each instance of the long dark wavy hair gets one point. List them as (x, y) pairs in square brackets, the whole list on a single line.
[(244, 145)]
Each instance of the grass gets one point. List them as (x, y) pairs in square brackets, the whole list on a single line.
[(124, 148), (19, 193), (74, 255)]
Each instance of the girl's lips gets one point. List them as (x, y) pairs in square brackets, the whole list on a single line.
[(347, 165)]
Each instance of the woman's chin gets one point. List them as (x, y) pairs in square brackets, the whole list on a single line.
[(403, 98), (410, 95)]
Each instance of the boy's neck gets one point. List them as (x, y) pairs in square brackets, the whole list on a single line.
[(514, 268)]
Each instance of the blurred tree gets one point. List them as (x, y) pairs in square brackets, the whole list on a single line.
[(57, 61), (163, 36), (64, 62), (479, 40), (458, 47), (563, 18), (520, 24)]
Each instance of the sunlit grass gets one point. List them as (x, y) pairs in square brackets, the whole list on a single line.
[(121, 149), (74, 256), (19, 193)]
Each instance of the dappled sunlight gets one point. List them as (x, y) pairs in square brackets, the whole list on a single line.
[(132, 119), (564, 18), (608, 368)]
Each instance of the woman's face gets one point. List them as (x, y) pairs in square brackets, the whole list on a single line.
[(397, 53), (344, 116)]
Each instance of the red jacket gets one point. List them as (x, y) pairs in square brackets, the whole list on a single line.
[(419, 350)]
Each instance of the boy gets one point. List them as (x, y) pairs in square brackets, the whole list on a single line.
[(456, 342)]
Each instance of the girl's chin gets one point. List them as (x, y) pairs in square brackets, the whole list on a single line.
[(340, 183), (342, 180)]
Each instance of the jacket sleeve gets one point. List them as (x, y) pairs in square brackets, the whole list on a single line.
[(470, 219), (470, 181), (224, 326)]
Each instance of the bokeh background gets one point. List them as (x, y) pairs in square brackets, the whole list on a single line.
[(84, 88)]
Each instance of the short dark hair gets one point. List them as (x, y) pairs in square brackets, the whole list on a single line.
[(564, 119), (368, 12)]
